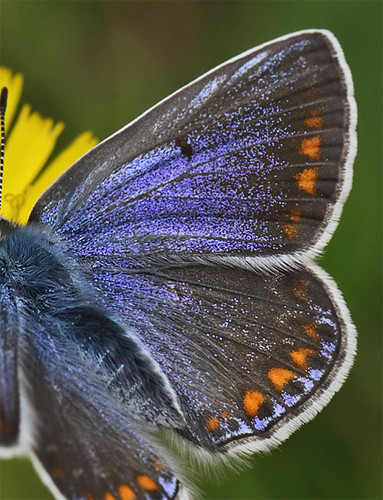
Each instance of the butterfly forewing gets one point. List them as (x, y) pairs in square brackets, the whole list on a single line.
[(249, 160)]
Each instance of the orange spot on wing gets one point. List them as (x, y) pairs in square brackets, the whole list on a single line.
[(146, 483), (301, 356), (291, 229), (224, 415), (58, 471), (311, 147), (252, 401), (314, 119), (311, 330), (212, 424), (311, 94), (126, 493), (280, 377), (307, 180), (88, 496), (109, 496), (300, 289), (159, 466)]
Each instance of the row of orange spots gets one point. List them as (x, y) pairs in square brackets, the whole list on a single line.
[(252, 401), (125, 492), (311, 148), (300, 357), (280, 377), (291, 229), (300, 291)]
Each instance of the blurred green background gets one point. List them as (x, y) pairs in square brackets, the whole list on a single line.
[(97, 65)]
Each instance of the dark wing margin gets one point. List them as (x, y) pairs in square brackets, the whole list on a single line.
[(251, 163)]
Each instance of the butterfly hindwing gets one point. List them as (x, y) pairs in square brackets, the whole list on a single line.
[(251, 357), (251, 160)]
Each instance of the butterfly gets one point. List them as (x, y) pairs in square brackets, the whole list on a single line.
[(165, 282)]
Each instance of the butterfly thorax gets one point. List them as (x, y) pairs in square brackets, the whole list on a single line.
[(36, 269), (6, 228)]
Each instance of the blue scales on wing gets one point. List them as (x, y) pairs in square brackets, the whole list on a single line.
[(247, 167), (248, 161)]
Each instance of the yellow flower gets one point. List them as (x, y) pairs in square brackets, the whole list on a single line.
[(28, 146)]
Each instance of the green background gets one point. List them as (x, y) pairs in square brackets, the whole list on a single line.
[(97, 65)]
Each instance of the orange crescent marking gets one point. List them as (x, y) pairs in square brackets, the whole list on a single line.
[(311, 330), (252, 401), (307, 180), (212, 424), (109, 496), (126, 493), (311, 147), (292, 229), (280, 377), (313, 119), (300, 357), (146, 483)]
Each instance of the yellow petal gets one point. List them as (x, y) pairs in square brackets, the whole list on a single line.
[(64, 160), (14, 83), (27, 149)]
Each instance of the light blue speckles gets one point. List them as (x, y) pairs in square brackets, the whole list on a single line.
[(261, 424), (206, 93), (249, 65), (243, 428), (169, 486), (315, 374), (306, 383), (291, 400), (328, 350), (278, 410), (329, 321)]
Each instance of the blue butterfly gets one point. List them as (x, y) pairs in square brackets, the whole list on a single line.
[(166, 280)]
